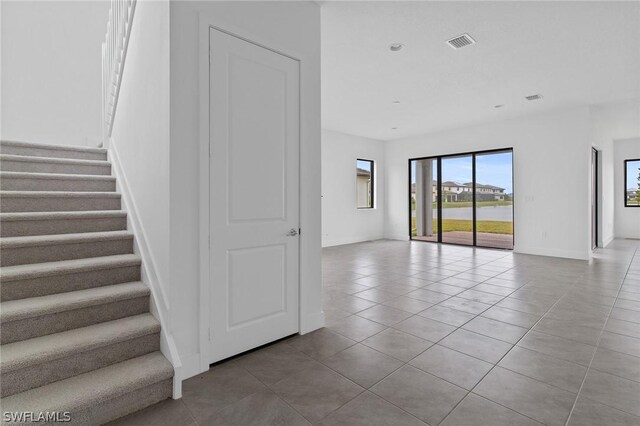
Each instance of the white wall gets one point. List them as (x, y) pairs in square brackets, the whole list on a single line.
[(51, 71), (620, 120), (342, 222), (627, 218), (296, 26), (139, 152), (551, 154)]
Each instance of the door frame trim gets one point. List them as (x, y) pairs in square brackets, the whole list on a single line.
[(307, 320)]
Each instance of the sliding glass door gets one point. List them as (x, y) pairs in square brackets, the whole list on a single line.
[(494, 199), (423, 197), (457, 200), (463, 199)]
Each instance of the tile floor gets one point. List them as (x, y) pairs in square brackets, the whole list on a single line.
[(419, 333)]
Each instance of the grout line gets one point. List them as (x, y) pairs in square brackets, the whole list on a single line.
[(514, 345), (597, 345)]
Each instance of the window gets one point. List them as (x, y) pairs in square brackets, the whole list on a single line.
[(364, 184), (632, 183)]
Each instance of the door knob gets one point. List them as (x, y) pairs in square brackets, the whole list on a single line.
[(292, 232)]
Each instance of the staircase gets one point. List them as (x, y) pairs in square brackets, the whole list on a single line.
[(76, 334)]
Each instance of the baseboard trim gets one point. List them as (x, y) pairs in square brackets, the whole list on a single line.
[(160, 307), (565, 254), (331, 242)]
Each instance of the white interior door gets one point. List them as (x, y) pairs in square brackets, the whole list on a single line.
[(254, 184)]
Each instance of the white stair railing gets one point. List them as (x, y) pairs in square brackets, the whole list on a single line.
[(114, 52)]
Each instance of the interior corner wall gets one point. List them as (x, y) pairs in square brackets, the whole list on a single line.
[(619, 120), (551, 155), (342, 222), (627, 219), (52, 71), (139, 152), (295, 25)]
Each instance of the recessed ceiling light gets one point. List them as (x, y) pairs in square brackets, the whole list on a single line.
[(498, 106), (396, 46), (534, 97)]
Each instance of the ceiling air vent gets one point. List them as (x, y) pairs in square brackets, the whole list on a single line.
[(533, 97), (461, 41)]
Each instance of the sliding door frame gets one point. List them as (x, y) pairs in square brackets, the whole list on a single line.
[(438, 159)]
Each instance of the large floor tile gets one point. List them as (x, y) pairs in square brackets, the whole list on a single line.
[(408, 304), (450, 290), (476, 345), (376, 295), (170, 412), (317, 391), (573, 330), (591, 413), (447, 315), (558, 347), (209, 392), (613, 391), (480, 296), (363, 365), (620, 343), (370, 410), (421, 394), (617, 363), (554, 371), (425, 328), (428, 295), (273, 363), (475, 410), (534, 399), (452, 366), (384, 315), (321, 343), (510, 316), (398, 344), (497, 329), (356, 328), (623, 327), (260, 409), (465, 305)]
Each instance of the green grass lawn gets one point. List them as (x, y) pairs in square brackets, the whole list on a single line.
[(458, 204), (488, 226)]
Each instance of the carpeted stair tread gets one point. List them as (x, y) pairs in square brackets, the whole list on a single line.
[(92, 388), (58, 194), (10, 273), (71, 215), (54, 160), (55, 176), (43, 240), (15, 310), (54, 346), (6, 144)]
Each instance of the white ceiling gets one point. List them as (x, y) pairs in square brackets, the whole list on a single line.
[(574, 53)]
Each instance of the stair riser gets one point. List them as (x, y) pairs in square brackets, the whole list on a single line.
[(52, 153), (16, 331), (42, 286), (62, 204), (55, 252), (42, 167), (123, 405), (51, 371), (35, 184), (19, 228)]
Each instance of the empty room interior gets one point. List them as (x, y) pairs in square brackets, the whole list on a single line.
[(320, 212)]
